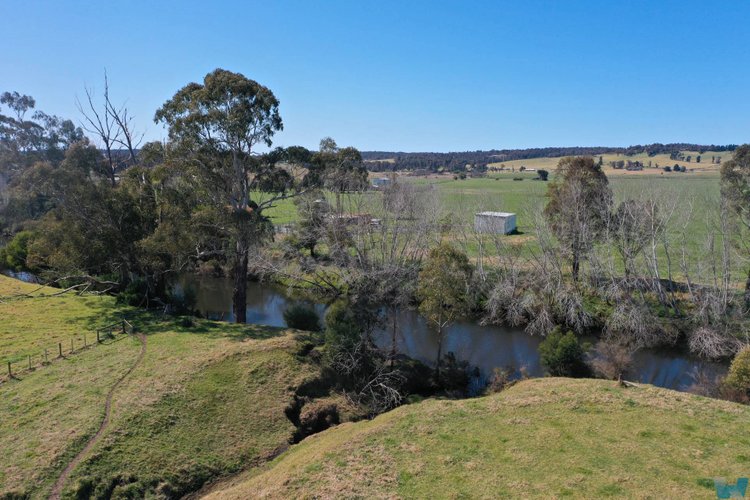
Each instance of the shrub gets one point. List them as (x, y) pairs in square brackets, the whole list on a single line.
[(134, 294), (13, 255), (737, 382), (501, 378), (454, 376), (562, 355), (302, 317)]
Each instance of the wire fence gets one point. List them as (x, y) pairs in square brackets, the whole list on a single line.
[(24, 363)]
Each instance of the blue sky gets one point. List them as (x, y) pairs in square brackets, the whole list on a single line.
[(408, 75)]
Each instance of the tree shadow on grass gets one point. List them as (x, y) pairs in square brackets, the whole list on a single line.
[(105, 315), (207, 328)]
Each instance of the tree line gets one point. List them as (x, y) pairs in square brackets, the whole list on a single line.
[(74, 212), (434, 162)]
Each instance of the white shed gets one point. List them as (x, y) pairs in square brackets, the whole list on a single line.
[(495, 222), (380, 182)]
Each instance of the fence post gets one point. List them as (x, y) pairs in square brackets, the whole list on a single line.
[(123, 327), (59, 348), (29, 361), (45, 357), (84, 340), (97, 337), (10, 372), (71, 345)]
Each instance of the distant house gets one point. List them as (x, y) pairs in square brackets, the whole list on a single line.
[(381, 182), (495, 222)]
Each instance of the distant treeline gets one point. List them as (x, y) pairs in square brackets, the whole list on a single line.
[(480, 159)]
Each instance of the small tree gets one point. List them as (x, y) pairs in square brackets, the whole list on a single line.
[(562, 355), (629, 230), (543, 174), (302, 318), (579, 200), (341, 170), (443, 290), (738, 380), (312, 211)]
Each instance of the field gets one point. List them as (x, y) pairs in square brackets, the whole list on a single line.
[(691, 198), (206, 400), (543, 438), (662, 160)]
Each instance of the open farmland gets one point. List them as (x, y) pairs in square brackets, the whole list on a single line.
[(692, 200), (657, 162)]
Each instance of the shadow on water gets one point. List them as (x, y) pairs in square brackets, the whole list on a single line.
[(485, 347)]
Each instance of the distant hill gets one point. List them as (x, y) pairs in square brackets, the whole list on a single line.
[(381, 161)]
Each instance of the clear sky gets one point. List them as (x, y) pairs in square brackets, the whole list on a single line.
[(408, 75)]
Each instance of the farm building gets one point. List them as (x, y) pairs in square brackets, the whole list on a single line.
[(495, 222), (381, 182)]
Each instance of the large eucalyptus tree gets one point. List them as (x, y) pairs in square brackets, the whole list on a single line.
[(214, 130)]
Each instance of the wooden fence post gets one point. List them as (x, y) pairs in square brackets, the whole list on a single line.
[(10, 372), (71, 345), (45, 357), (123, 327), (84, 340), (97, 337), (59, 348), (29, 361)]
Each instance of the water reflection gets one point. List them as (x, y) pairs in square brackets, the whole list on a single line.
[(486, 347)]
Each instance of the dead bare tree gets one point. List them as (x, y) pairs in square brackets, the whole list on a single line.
[(711, 342), (632, 323), (611, 359), (111, 125)]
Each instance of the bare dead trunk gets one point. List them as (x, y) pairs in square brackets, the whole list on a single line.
[(747, 292)]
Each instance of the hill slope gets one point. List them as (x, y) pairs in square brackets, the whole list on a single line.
[(541, 438), (207, 399)]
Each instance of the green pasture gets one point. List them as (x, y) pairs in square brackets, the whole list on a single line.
[(691, 199)]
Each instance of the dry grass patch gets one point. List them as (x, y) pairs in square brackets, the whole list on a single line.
[(548, 438)]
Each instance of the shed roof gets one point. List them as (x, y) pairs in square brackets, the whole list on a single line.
[(496, 214)]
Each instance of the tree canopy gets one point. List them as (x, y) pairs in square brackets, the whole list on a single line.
[(578, 204)]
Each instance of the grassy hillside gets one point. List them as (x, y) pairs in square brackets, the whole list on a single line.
[(549, 438), (207, 400)]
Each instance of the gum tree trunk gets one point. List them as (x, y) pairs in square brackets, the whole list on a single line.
[(239, 294)]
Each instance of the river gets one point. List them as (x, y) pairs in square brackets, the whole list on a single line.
[(484, 347)]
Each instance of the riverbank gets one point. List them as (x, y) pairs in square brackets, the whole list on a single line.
[(207, 399), (483, 346), (211, 399)]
